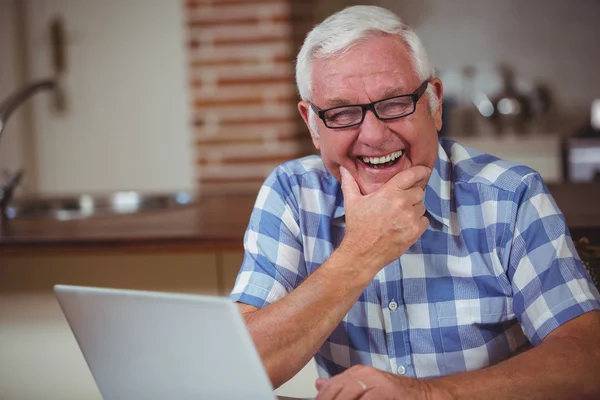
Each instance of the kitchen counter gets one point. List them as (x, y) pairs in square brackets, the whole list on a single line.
[(580, 203), (216, 223), (212, 223)]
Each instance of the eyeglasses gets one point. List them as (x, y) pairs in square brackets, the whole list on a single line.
[(385, 110)]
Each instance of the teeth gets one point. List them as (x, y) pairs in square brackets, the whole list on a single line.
[(384, 159)]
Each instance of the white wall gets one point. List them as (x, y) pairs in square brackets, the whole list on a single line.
[(12, 151), (127, 124)]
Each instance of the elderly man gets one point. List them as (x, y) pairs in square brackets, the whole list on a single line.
[(397, 256)]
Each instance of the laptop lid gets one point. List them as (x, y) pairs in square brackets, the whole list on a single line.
[(152, 345)]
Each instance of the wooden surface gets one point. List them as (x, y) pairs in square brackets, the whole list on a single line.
[(213, 223), (216, 223)]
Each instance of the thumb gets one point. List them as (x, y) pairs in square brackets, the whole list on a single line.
[(349, 186)]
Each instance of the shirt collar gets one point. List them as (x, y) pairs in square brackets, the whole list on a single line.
[(437, 192)]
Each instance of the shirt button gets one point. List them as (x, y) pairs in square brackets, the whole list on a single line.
[(393, 305), (401, 370)]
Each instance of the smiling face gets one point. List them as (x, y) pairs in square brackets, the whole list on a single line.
[(375, 69)]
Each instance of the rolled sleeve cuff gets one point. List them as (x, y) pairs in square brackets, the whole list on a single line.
[(251, 295), (251, 288), (563, 313)]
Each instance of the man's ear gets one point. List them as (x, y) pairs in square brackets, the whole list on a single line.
[(438, 90), (304, 108)]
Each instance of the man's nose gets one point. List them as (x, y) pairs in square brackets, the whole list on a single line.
[(373, 131)]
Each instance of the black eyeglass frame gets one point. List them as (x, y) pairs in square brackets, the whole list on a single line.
[(415, 96)]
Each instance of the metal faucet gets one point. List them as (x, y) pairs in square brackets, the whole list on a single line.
[(6, 109), (13, 101)]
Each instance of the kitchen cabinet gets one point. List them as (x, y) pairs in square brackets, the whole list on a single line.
[(230, 263), (126, 125), (36, 344), (179, 272)]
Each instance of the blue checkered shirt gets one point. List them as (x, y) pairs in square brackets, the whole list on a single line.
[(495, 272)]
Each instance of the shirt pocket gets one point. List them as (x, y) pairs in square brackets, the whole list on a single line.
[(476, 333)]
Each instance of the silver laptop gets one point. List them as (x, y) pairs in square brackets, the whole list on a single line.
[(152, 345)]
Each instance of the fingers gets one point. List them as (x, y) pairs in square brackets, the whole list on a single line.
[(329, 391), (340, 388), (409, 178), (420, 209), (350, 391), (320, 383), (414, 195), (352, 384), (349, 186), (424, 222)]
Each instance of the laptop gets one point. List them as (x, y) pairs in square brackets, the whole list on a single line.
[(154, 345)]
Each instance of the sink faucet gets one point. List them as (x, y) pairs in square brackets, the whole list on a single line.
[(6, 109), (13, 101)]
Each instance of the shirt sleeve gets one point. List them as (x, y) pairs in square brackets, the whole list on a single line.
[(550, 284), (273, 262)]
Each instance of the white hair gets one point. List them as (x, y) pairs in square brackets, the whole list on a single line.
[(343, 30)]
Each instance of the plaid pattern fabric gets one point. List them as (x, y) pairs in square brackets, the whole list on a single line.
[(494, 273)]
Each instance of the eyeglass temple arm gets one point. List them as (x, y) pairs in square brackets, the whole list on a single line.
[(422, 89)]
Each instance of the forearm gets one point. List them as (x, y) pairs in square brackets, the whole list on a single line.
[(560, 368), (289, 332)]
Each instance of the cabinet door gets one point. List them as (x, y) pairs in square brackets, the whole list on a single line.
[(39, 357), (230, 263), (177, 272), (126, 125)]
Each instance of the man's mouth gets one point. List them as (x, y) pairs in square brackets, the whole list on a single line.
[(383, 161)]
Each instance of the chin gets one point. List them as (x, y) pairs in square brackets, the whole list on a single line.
[(369, 188)]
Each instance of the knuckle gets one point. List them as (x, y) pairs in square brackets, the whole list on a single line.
[(402, 202), (354, 368), (405, 179), (418, 194), (360, 367)]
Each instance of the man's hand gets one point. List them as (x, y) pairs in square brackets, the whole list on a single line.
[(384, 224), (365, 383)]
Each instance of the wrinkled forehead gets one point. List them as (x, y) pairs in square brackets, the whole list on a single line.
[(367, 71)]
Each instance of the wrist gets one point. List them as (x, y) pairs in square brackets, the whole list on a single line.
[(365, 256), (438, 390), (355, 264)]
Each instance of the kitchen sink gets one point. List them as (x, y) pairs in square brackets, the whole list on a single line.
[(94, 206)]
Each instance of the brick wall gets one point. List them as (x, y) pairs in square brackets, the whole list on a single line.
[(241, 70)]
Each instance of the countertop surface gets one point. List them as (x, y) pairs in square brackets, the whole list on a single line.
[(214, 223), (211, 223)]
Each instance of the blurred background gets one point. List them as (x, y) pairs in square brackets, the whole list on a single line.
[(163, 95), (134, 135)]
